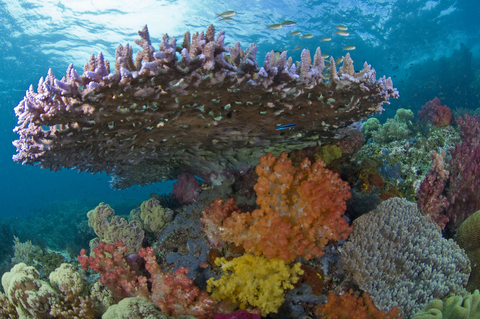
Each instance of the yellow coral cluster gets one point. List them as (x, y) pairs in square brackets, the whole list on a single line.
[(254, 281)]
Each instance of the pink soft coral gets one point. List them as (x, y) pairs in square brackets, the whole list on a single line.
[(300, 211), (186, 189), (436, 114)]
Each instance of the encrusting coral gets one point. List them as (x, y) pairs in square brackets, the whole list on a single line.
[(203, 111), (254, 281), (301, 210)]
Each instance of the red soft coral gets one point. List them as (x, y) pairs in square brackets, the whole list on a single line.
[(115, 273), (300, 211), (175, 293), (350, 306), (213, 217), (186, 189), (436, 114)]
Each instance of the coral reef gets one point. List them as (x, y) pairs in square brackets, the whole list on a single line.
[(349, 306), (186, 189), (395, 129), (468, 237), (300, 211), (399, 257), (115, 229), (205, 113), (464, 183), (430, 200), (454, 307), (154, 216), (254, 281), (435, 113)]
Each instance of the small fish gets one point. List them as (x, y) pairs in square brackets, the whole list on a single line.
[(307, 36), (349, 47), (277, 54), (342, 33), (275, 26), (226, 43), (283, 127), (325, 56), (227, 19), (297, 48), (341, 27), (295, 33), (226, 14), (339, 60), (326, 39), (288, 23)]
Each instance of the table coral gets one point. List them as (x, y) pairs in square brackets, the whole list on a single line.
[(300, 211), (254, 281), (204, 108)]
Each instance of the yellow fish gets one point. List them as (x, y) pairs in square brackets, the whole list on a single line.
[(325, 56), (339, 60), (297, 48), (326, 39), (341, 27), (307, 36), (275, 26), (226, 14), (342, 33), (295, 33), (349, 47), (288, 23)]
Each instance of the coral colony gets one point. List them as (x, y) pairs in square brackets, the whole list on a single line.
[(272, 239), (202, 108)]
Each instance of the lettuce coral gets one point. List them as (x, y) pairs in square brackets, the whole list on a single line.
[(254, 281), (300, 211)]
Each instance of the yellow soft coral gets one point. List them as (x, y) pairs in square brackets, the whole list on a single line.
[(254, 281)]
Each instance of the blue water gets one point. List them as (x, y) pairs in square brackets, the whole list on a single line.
[(416, 42)]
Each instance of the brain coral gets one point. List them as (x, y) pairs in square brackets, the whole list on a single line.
[(468, 237)]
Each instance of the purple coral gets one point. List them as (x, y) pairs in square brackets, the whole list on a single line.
[(465, 173), (186, 189)]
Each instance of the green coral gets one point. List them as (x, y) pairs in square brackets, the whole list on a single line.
[(455, 307), (153, 215), (329, 153), (395, 129), (370, 126), (117, 229)]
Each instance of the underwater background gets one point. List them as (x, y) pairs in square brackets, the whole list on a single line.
[(429, 49)]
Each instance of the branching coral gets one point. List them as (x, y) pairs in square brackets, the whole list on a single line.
[(300, 211), (254, 281)]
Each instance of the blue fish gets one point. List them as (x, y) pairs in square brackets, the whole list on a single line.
[(282, 127)]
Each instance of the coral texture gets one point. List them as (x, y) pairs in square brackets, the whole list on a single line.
[(203, 111), (300, 211), (114, 271), (464, 187), (399, 257), (115, 229), (254, 281), (176, 294), (430, 200), (468, 237), (349, 306), (213, 217), (239, 314), (186, 189), (435, 113), (454, 307), (394, 129), (154, 216)]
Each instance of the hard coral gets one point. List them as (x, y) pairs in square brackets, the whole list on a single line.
[(300, 211), (349, 306), (199, 108), (468, 238), (436, 114)]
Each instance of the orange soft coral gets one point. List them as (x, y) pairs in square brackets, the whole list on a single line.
[(350, 306), (300, 211)]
